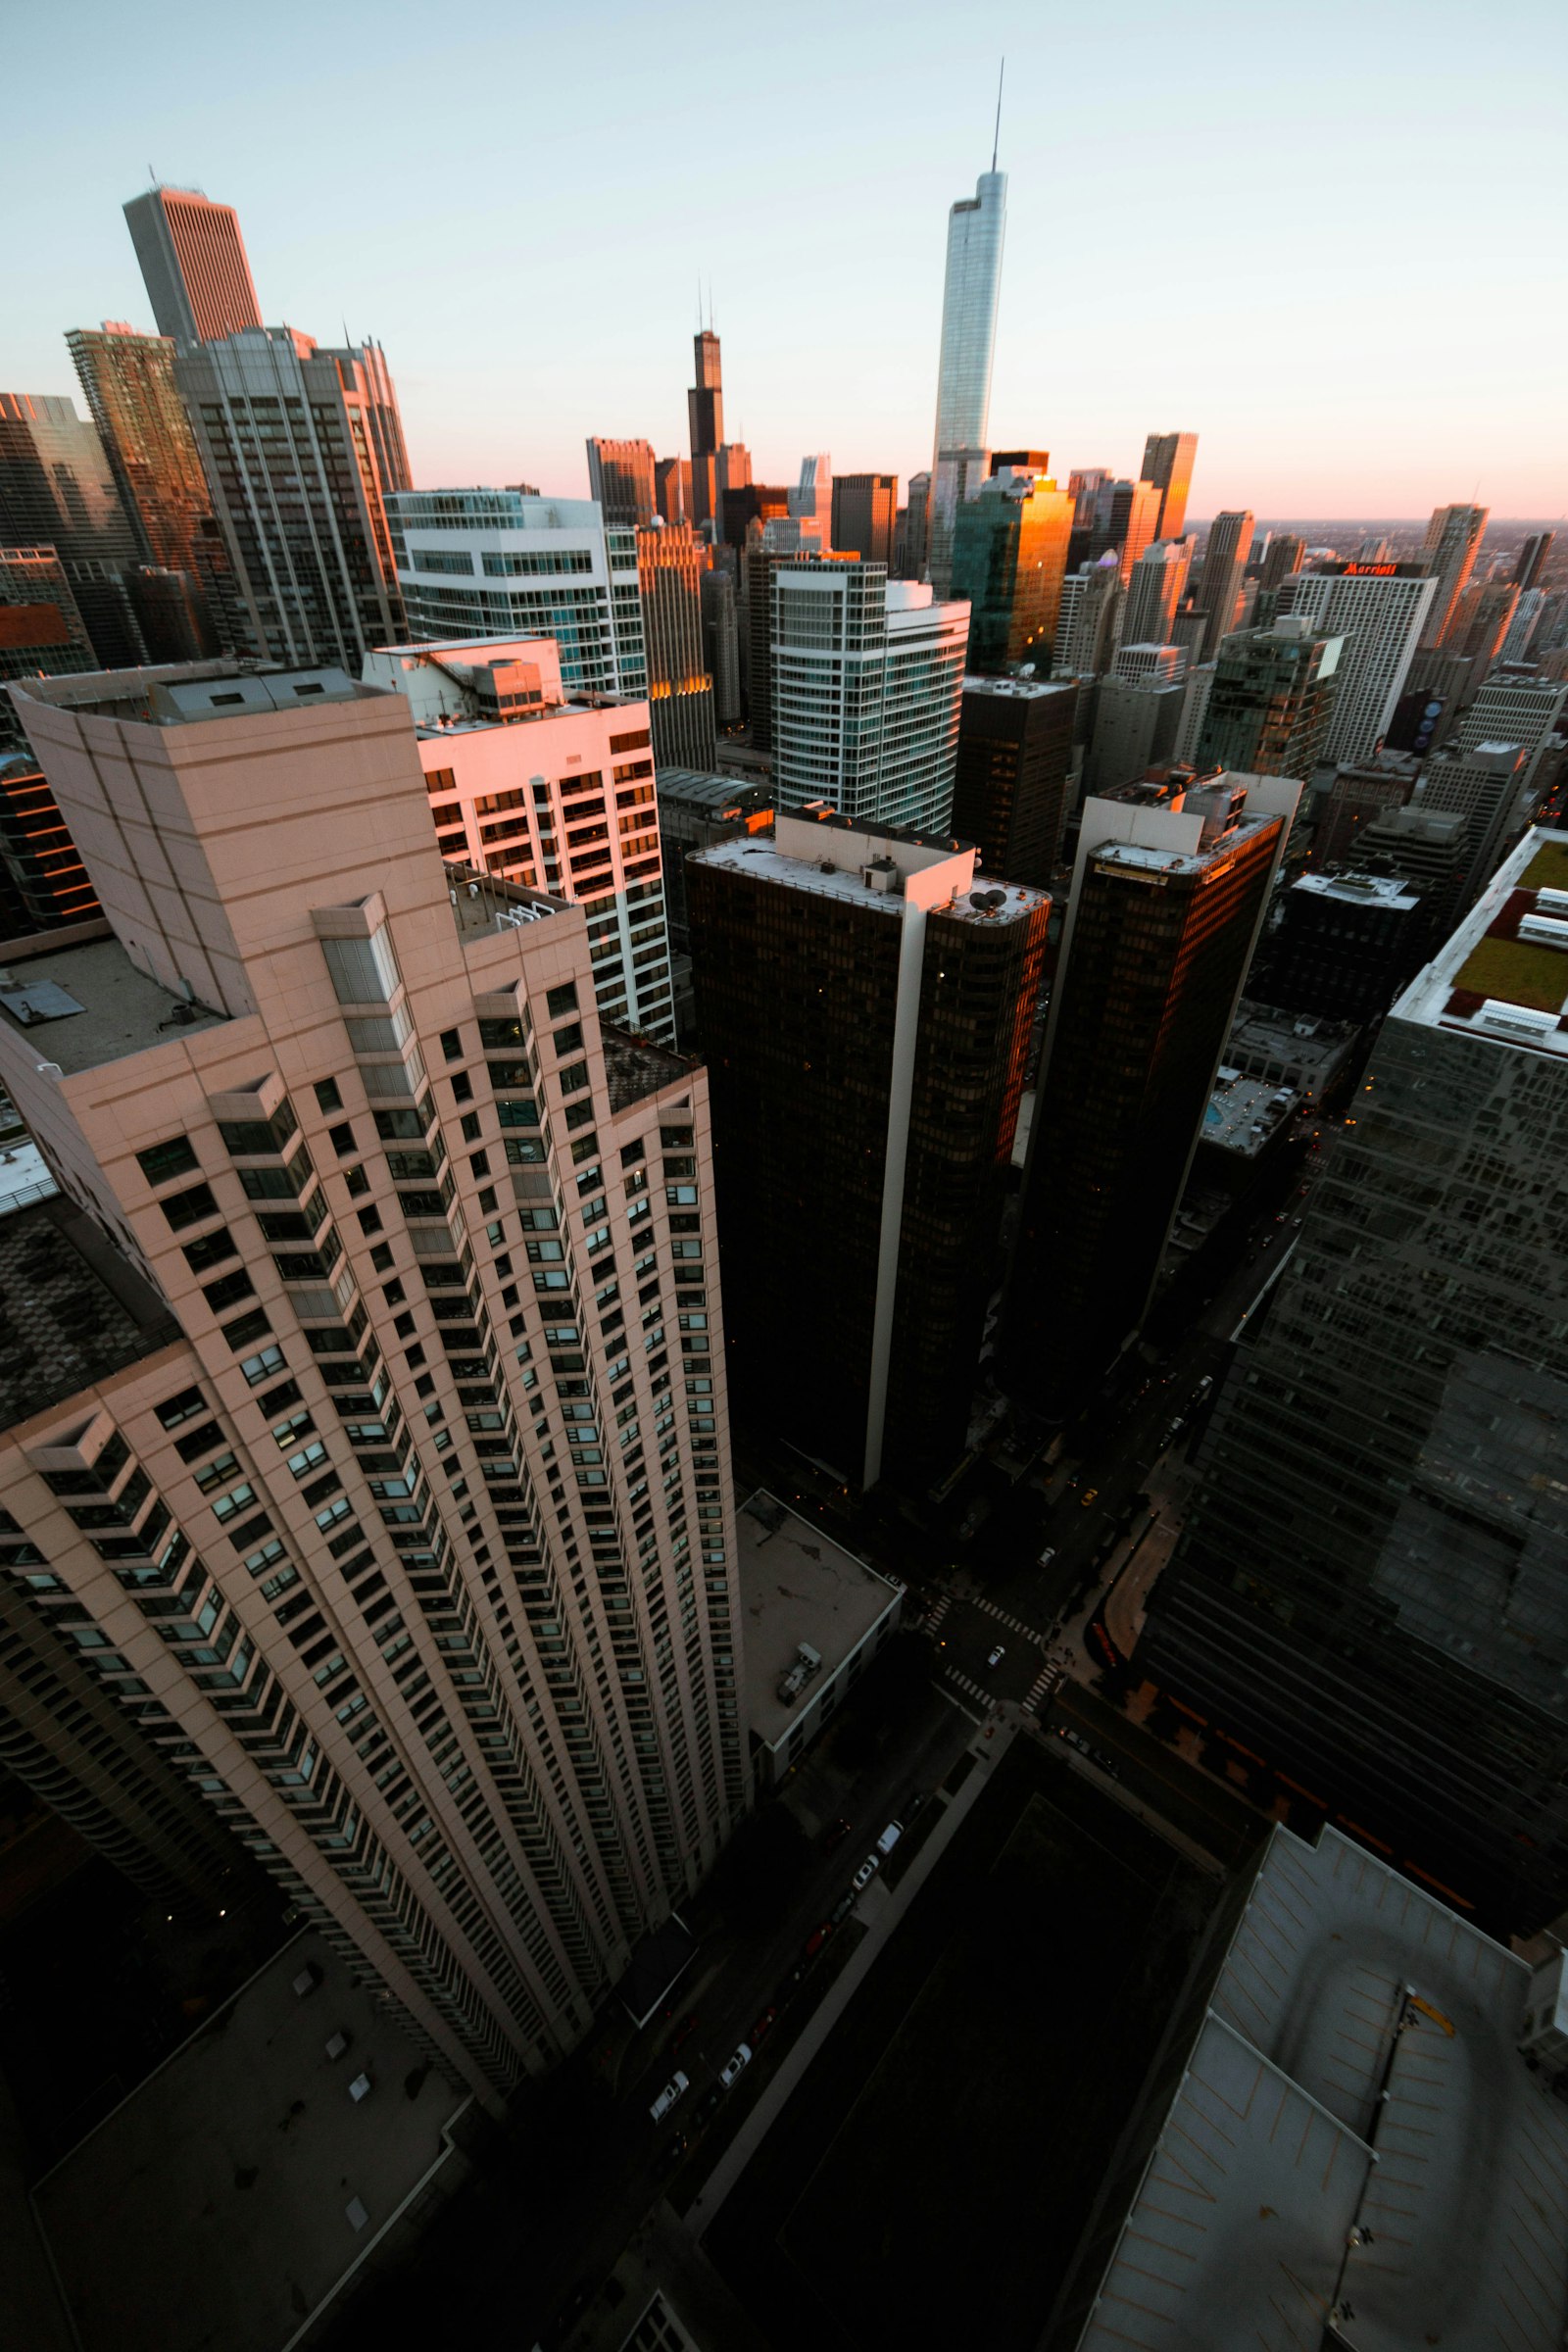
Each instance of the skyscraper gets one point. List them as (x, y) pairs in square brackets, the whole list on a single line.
[(1271, 701), (867, 676), (1168, 461), (57, 490), (1010, 789), (705, 413), (864, 506), (1131, 518), (916, 516), (510, 564), (721, 645), (673, 488), (193, 266), (1370, 1591), (370, 1570), (1480, 619), (621, 476), (531, 783), (1452, 541), (670, 562), (1009, 557), (41, 866), (41, 631), (1165, 909), (1378, 609), (1533, 554), (811, 498), (1155, 588), (129, 381), (1285, 554), (303, 448), (1219, 584), (863, 1130), (1086, 621), (971, 287)]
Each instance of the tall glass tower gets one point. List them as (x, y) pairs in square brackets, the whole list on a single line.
[(975, 229)]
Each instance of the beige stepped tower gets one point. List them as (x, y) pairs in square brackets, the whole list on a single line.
[(406, 1540)]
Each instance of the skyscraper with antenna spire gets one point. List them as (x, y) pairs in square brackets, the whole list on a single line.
[(970, 290), (705, 410)]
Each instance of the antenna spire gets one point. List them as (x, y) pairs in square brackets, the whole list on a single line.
[(996, 141)]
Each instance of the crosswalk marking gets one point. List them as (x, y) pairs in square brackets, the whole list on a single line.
[(1045, 1683)]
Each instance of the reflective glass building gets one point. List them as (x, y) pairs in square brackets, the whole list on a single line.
[(969, 292)]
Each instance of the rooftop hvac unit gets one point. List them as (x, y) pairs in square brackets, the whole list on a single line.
[(359, 2088), (807, 1661)]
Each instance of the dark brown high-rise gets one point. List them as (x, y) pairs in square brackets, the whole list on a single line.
[(705, 411), (1166, 906), (864, 1006), (1010, 794), (865, 508)]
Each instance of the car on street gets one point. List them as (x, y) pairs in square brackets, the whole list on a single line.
[(737, 2066), (819, 1936), (841, 1909), (707, 2106), (867, 1872), (997, 1655), (675, 2089), (1047, 1556), (1090, 1494), (834, 1835), (763, 2025), (889, 1839)]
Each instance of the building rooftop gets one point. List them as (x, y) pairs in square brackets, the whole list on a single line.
[(1361, 890), (223, 2200), (1244, 1115), (796, 1584), (976, 899), (717, 796), (178, 693), (85, 1005), (72, 1310), (635, 1068), (484, 903), (1355, 2150), (1020, 690), (1135, 858), (1503, 974), (1308, 1042)]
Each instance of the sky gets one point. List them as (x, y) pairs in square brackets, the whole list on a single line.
[(1326, 240)]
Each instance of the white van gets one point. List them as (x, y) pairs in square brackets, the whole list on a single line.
[(666, 2098), (890, 1838)]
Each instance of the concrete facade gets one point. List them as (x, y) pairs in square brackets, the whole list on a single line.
[(411, 1549)]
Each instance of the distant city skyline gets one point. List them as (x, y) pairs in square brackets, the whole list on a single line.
[(1349, 372)]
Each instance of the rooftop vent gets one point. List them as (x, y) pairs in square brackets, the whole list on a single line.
[(1520, 1020)]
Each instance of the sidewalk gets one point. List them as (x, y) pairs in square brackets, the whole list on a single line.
[(880, 1910)]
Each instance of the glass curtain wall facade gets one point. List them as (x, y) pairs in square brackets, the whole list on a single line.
[(970, 291)]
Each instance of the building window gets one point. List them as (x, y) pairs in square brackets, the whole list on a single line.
[(189, 1207), (327, 1094), (562, 1000), (364, 971), (163, 1160)]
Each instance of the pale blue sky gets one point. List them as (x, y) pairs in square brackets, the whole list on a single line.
[(1327, 238)]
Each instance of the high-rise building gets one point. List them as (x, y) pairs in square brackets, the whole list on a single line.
[(864, 506), (1487, 785), (57, 490), (1379, 610), (1452, 542), (670, 562), (129, 381), (192, 261), (1129, 523), (41, 631), (867, 676), (547, 792), (909, 558), (1285, 554), (1421, 847), (43, 875), (303, 448), (705, 415), (1345, 945), (1009, 557), (373, 1564), (1136, 712), (1532, 556), (1369, 1592), (1088, 487), (811, 498), (1165, 909), (1482, 614), (1168, 461), (1271, 701), (1085, 619), (1360, 792), (1198, 684), (1219, 584), (534, 567), (1529, 711), (1011, 785), (673, 488), (1155, 588), (971, 290), (890, 1099), (620, 478), (1520, 633), (721, 651)]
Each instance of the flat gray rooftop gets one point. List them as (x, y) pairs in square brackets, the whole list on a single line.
[(1356, 2070), (989, 902), (482, 903), (122, 1013), (1308, 1041), (796, 1584), (72, 1310), (636, 1069), (1244, 1114), (211, 2210)]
